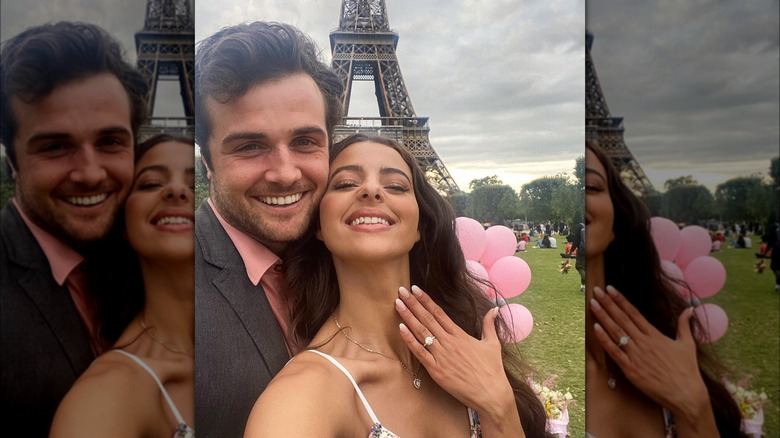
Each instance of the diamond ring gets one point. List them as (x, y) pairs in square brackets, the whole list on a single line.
[(623, 341), (428, 341)]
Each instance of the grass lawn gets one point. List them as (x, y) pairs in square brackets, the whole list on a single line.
[(556, 345), (751, 345)]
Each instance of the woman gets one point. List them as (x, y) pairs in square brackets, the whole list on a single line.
[(647, 375), (383, 226), (144, 385)]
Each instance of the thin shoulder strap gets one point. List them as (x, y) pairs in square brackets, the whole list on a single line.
[(351, 379), (146, 367)]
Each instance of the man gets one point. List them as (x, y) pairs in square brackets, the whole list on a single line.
[(71, 107), (266, 107)]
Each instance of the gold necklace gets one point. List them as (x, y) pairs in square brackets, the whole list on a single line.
[(148, 331), (416, 381)]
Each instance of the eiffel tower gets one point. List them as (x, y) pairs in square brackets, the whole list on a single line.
[(166, 51), (363, 49), (608, 131)]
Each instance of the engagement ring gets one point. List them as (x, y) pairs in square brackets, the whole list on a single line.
[(623, 341), (428, 341)]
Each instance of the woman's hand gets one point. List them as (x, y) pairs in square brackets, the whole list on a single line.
[(664, 369), (469, 369)]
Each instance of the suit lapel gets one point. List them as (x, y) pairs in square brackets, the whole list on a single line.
[(249, 302), (56, 306), (53, 301)]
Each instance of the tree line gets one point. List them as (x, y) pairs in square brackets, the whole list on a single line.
[(751, 198), (558, 198)]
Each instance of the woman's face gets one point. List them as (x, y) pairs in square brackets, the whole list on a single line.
[(599, 212), (159, 211), (369, 210)]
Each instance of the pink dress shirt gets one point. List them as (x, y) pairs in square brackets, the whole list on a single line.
[(64, 262), (263, 267)]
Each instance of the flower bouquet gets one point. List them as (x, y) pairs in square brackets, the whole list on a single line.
[(555, 403), (751, 405)]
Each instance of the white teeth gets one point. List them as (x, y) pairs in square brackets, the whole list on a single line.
[(282, 200), (369, 220), (87, 200), (173, 220)]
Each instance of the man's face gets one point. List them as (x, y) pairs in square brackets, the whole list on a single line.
[(74, 155), (269, 153)]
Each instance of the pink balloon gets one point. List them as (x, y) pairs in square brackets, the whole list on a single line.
[(510, 275), (479, 271), (501, 242), (471, 235), (714, 321), (519, 320), (696, 242), (666, 236), (674, 272), (705, 276)]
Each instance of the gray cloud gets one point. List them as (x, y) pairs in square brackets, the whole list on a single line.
[(697, 82), (501, 81), (121, 18)]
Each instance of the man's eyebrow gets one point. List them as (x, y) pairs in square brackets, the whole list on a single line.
[(238, 136), (306, 130), (53, 135), (113, 130)]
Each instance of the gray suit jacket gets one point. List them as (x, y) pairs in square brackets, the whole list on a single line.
[(44, 345), (239, 346)]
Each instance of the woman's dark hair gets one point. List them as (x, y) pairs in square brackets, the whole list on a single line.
[(437, 265), (642, 281), (114, 271)]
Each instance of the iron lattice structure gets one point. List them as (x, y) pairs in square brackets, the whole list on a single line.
[(608, 131), (363, 49), (166, 51)]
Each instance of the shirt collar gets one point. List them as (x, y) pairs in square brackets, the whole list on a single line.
[(62, 258), (256, 256)]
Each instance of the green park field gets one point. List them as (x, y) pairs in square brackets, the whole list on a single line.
[(750, 347), (556, 345)]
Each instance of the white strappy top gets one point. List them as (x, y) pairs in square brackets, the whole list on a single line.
[(182, 429), (379, 431)]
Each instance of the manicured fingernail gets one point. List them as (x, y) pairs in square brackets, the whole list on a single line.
[(416, 290), (598, 292), (611, 290), (597, 326), (594, 304), (403, 292), (403, 327), (399, 304)]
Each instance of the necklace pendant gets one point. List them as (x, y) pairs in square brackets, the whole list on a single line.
[(611, 382), (417, 383)]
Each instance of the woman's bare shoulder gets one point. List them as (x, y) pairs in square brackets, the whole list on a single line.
[(309, 397), (110, 398)]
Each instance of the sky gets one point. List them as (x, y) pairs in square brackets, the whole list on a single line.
[(501, 81), (697, 83), (122, 18)]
